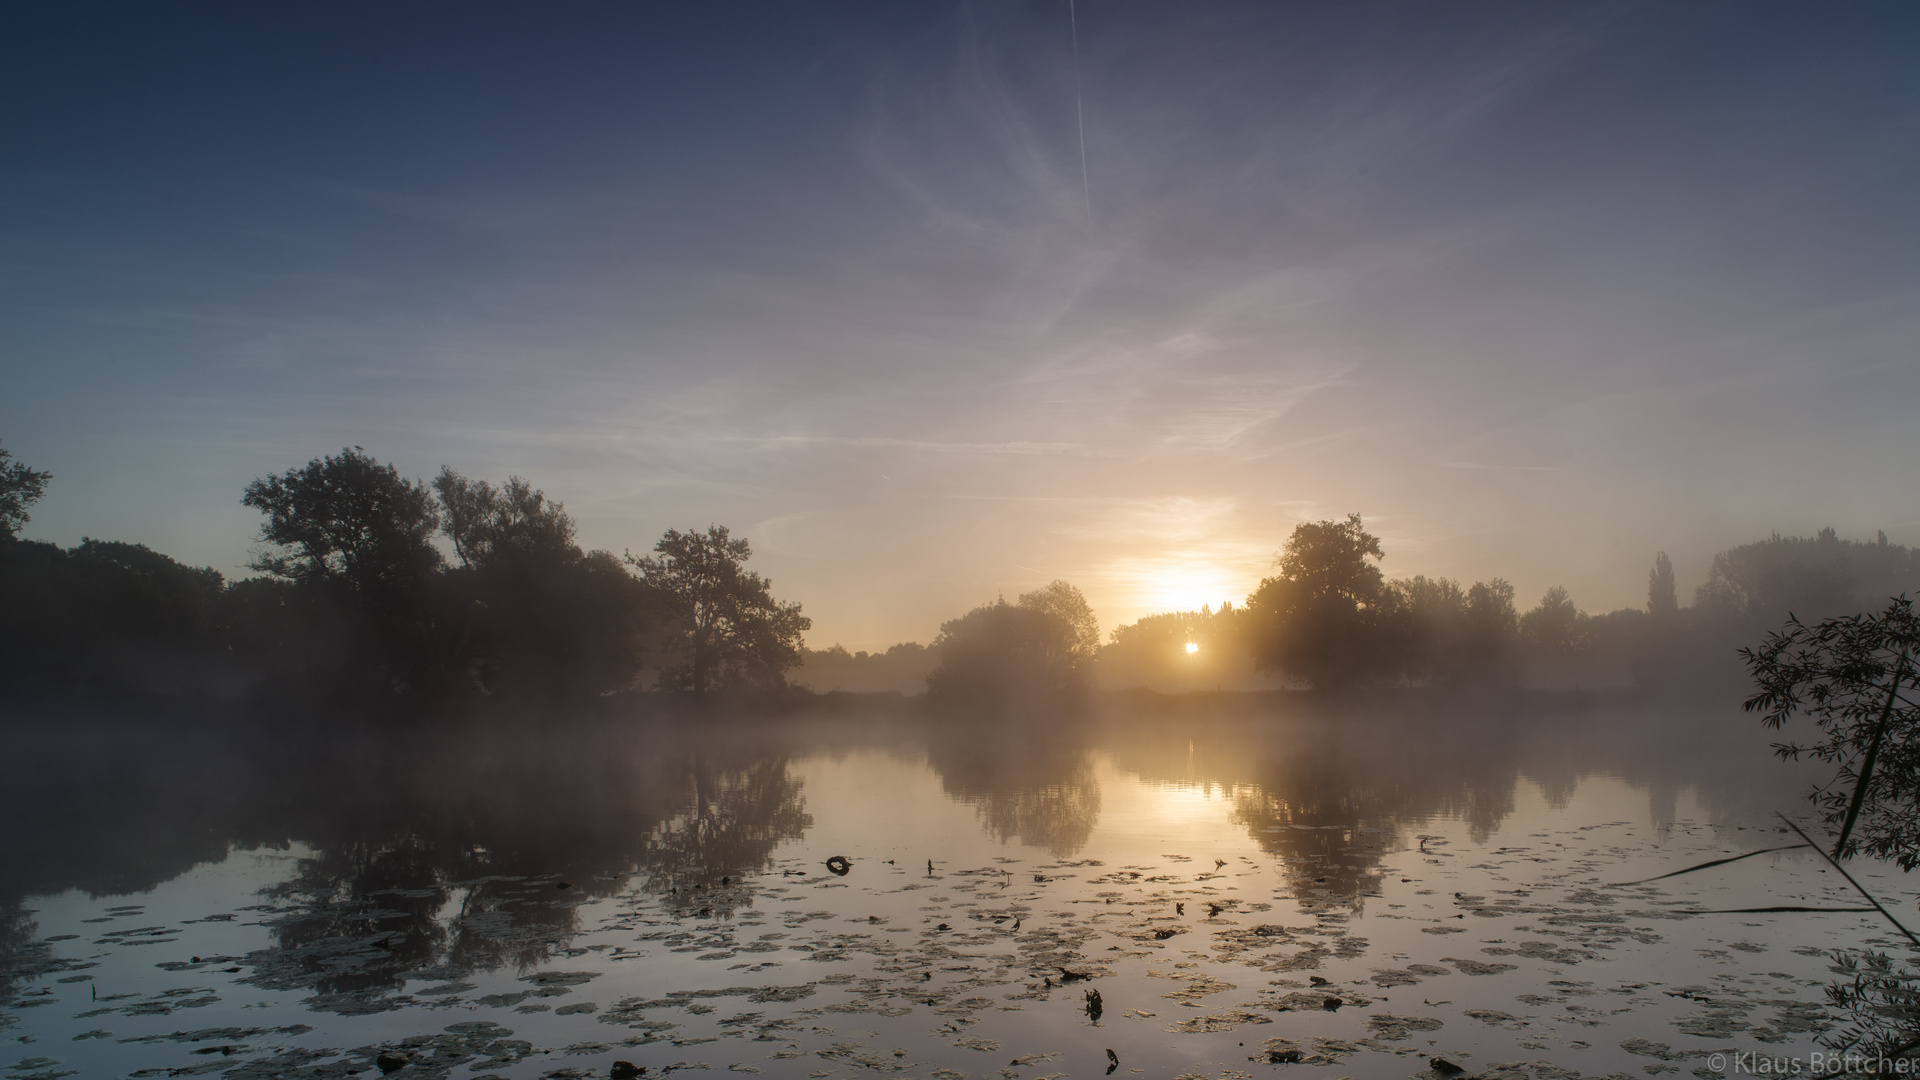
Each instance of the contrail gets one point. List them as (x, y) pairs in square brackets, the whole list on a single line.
[(1086, 188)]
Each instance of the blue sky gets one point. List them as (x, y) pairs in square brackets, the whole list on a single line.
[(1537, 289)]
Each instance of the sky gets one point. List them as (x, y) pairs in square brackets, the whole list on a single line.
[(936, 302)]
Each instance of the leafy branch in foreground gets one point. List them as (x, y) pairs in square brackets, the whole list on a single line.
[(1852, 676), (1881, 1000)]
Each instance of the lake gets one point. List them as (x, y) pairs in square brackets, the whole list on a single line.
[(1216, 886)]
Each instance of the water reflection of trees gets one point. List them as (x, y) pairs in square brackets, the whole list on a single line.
[(734, 820), (1326, 795), (420, 854), (19, 948), (1036, 789), (426, 853), (487, 866), (1329, 788)]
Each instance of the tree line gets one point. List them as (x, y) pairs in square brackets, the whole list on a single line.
[(1329, 618), (354, 596)]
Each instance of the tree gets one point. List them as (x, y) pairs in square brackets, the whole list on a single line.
[(1001, 651), (514, 521), (537, 614), (108, 617), (1153, 651), (1491, 625), (1322, 617), (1812, 577), (1663, 598), (349, 522), (728, 628), (1065, 603), (1430, 614), (1852, 676), (1439, 633), (1556, 626), (20, 487)]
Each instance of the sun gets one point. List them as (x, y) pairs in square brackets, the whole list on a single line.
[(1192, 648)]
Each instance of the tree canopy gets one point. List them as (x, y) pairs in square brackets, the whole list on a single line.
[(1557, 627), (1663, 597), (535, 611), (1043, 643), (346, 520), (1322, 617), (20, 487), (1809, 576), (725, 627), (1064, 602), (513, 521)]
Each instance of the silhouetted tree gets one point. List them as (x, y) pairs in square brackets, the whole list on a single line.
[(1491, 626), (1812, 577), (538, 614), (1153, 651), (107, 617), (1000, 651), (727, 628), (358, 537), (1431, 615), (1663, 598), (1065, 602), (348, 521), (20, 487), (1322, 617), (513, 521), (1555, 626), (1441, 634), (902, 668)]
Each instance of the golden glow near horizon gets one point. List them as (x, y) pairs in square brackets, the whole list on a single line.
[(1192, 648), (1179, 582)]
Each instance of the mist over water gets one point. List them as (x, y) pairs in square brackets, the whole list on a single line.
[(552, 892)]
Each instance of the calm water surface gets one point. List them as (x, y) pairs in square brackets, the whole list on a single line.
[(1248, 889)]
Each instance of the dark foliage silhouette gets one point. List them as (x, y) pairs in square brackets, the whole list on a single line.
[(1185, 650), (349, 522), (1813, 577), (353, 534), (901, 668), (1322, 618), (20, 487), (1042, 644), (354, 599), (514, 522), (723, 626), (1556, 626), (534, 612), (107, 614), (1852, 676), (1663, 595)]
